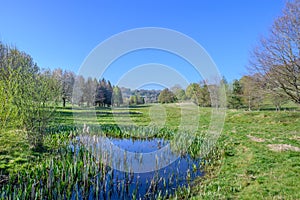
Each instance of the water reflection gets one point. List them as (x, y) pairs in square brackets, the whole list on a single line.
[(137, 168)]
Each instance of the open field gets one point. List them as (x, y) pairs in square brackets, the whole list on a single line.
[(257, 155)]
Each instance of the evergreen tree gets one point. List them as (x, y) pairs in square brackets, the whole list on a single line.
[(235, 98)]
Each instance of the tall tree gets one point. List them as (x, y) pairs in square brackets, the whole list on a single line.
[(235, 97), (78, 91), (277, 57), (100, 95), (108, 93), (28, 95), (117, 98), (253, 94), (205, 99), (89, 91), (67, 85)]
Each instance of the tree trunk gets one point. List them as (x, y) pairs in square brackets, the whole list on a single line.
[(64, 102)]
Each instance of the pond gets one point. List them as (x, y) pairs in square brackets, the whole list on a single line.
[(137, 168)]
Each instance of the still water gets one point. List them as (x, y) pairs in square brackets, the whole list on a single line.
[(137, 168)]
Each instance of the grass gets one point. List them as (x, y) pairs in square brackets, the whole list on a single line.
[(249, 169), (14, 151), (240, 167)]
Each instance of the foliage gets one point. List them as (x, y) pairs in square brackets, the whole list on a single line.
[(28, 95), (193, 92), (200, 94), (235, 96), (65, 80), (104, 93), (166, 96), (136, 99), (179, 93), (117, 98)]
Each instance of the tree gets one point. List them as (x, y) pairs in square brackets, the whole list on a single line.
[(68, 80), (133, 100), (193, 92), (166, 96), (136, 99), (179, 92), (108, 93), (89, 91), (277, 57), (277, 98), (39, 106), (104, 93), (78, 91), (117, 98), (28, 95), (235, 97), (205, 99), (253, 94)]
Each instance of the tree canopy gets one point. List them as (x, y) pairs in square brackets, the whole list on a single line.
[(166, 96)]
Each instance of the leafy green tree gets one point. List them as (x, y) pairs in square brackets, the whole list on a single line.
[(28, 95), (193, 92), (179, 92), (136, 99), (9, 112), (166, 96), (39, 109), (117, 98), (133, 100)]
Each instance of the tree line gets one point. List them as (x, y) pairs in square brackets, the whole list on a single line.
[(88, 91), (244, 93)]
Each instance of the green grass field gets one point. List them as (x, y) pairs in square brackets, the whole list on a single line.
[(249, 168), (257, 155)]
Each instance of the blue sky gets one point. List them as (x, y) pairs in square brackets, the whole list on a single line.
[(62, 33)]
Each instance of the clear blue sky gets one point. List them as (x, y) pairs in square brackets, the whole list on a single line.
[(62, 33)]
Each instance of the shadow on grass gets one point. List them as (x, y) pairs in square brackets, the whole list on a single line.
[(281, 109), (63, 114), (139, 106)]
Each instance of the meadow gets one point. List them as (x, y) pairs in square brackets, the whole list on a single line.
[(256, 156)]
